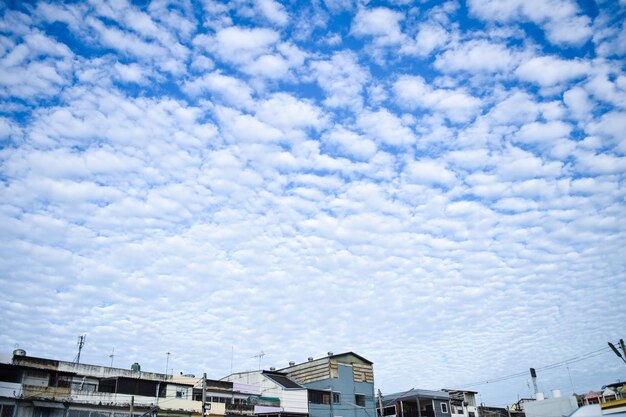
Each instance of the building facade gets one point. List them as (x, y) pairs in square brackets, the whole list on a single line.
[(272, 393), (463, 403), (38, 387), (415, 403), (337, 385)]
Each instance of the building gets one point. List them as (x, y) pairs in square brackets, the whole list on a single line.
[(463, 403), (38, 387), (416, 403), (272, 393), (557, 406), (338, 385), (221, 397)]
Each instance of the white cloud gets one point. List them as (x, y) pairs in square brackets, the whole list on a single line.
[(429, 172), (37, 67), (385, 127), (381, 23), (273, 11), (342, 79), (543, 133), (550, 70), (475, 56), (611, 125), (130, 73), (233, 90), (238, 44), (353, 144), (578, 103), (288, 112), (560, 19), (430, 37), (413, 92)]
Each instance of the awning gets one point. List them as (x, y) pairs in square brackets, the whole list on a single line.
[(48, 404)]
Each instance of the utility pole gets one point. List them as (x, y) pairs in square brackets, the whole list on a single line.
[(380, 403), (204, 394), (81, 343), (132, 405), (331, 401), (616, 351)]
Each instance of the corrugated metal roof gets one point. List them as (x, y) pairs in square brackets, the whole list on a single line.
[(282, 379), (390, 399)]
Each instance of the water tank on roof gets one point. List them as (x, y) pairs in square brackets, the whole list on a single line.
[(135, 367), (310, 358), (19, 352), (292, 363)]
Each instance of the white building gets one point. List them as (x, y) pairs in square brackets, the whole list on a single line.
[(463, 403), (273, 393)]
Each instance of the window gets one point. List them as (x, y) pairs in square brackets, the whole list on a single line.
[(389, 411), (181, 392), (444, 408), (472, 414), (359, 399), (6, 410), (323, 397)]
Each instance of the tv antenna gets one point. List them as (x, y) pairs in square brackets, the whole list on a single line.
[(112, 355), (260, 356), (81, 343), (167, 362)]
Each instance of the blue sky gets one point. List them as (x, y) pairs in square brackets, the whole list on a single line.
[(438, 186)]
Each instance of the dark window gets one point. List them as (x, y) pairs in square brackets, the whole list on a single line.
[(6, 410), (323, 397), (472, 414), (389, 411), (444, 408), (359, 399)]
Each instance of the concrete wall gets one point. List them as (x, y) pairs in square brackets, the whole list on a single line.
[(437, 408), (551, 407)]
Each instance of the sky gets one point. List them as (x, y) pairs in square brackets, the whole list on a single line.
[(437, 186)]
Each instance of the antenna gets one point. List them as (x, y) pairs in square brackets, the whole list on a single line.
[(112, 355), (260, 356), (167, 362), (81, 343)]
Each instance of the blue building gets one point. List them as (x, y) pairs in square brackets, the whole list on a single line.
[(338, 385)]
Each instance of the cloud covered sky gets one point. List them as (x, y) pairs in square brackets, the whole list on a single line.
[(438, 186)]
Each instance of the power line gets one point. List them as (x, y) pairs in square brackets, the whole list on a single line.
[(575, 359)]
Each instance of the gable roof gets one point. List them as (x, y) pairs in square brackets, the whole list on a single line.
[(349, 354)]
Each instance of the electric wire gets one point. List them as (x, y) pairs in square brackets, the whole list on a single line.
[(559, 364)]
